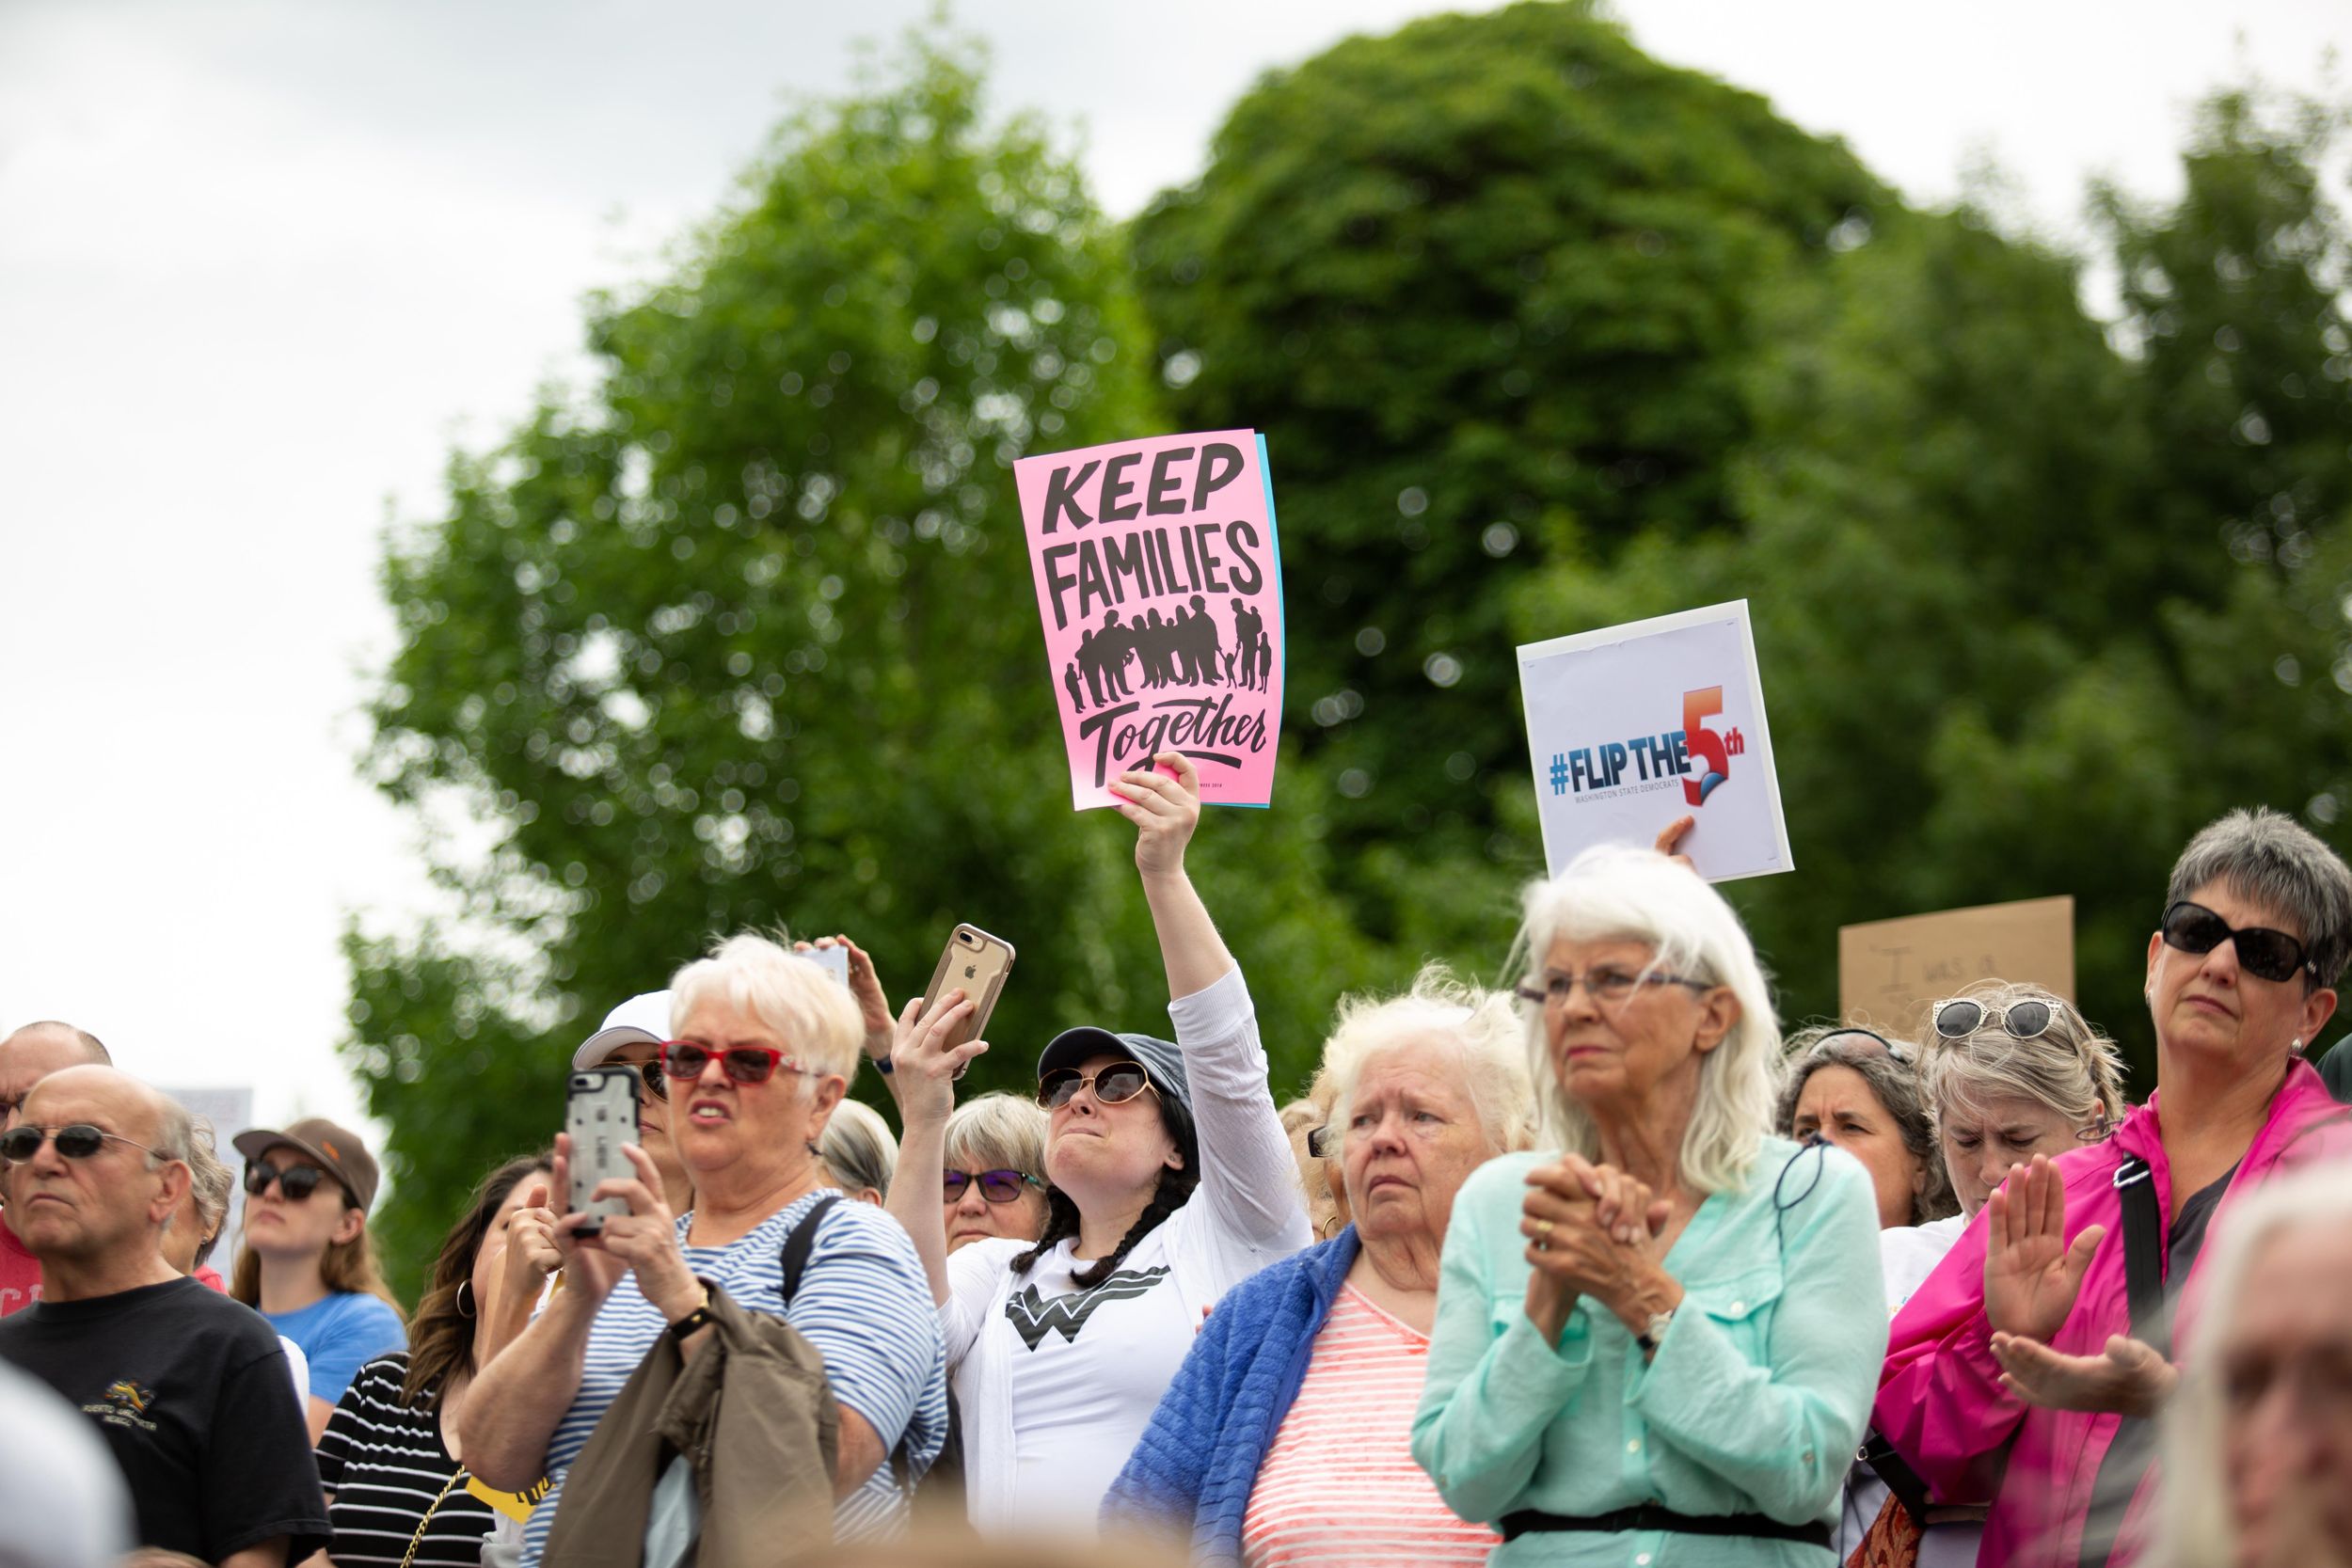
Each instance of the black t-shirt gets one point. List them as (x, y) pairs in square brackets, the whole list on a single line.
[(193, 1395), (387, 1468)]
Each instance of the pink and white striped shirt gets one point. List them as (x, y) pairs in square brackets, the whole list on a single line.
[(1339, 1488)]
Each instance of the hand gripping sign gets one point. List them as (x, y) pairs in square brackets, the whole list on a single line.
[(1632, 726), (1160, 583)]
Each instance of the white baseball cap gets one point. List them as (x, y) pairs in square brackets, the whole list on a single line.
[(643, 1020)]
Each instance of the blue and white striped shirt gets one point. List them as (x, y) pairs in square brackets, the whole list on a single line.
[(864, 1304)]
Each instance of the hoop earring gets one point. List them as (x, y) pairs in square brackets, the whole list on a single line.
[(465, 1298)]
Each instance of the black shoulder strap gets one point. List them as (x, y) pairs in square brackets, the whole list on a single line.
[(797, 1246), (2143, 1252)]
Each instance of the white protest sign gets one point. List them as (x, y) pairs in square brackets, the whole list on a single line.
[(1632, 726)]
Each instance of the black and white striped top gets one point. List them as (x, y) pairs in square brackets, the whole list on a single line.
[(384, 1464)]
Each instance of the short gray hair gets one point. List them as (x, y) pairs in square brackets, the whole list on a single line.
[(1890, 1068), (1619, 892), (997, 1132), (857, 1148), (213, 1185), (806, 1008), (2200, 1526), (2070, 1066), (1479, 1030), (2267, 858)]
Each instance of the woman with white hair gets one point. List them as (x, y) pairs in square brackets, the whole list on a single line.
[(2258, 1444), (1655, 1343), (1286, 1437), (993, 1178), (858, 1152), (765, 1043)]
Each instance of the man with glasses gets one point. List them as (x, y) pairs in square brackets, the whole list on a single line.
[(26, 1057), (188, 1388)]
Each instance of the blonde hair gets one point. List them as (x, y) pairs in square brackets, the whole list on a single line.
[(2198, 1526), (1617, 891), (1301, 1117), (214, 1183), (2070, 1066), (857, 1148), (997, 1132), (1478, 1030), (809, 1011)]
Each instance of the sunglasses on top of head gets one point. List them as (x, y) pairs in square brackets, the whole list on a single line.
[(2262, 952), (742, 1064), (996, 1186), (1958, 1019), (296, 1181), (1114, 1086), (76, 1141)]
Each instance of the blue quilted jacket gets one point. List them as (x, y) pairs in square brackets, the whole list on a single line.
[(1198, 1461)]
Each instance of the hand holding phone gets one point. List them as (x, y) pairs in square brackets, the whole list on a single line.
[(601, 1114), (976, 963)]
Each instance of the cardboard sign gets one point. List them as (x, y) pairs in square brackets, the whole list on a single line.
[(1632, 726), (1890, 970), (1160, 583)]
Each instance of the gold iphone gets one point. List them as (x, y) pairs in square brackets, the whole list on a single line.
[(977, 962)]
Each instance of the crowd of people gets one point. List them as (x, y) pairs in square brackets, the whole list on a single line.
[(1598, 1267)]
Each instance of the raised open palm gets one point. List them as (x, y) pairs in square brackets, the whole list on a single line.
[(2031, 1274)]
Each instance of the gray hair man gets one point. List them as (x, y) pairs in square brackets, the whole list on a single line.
[(187, 1387)]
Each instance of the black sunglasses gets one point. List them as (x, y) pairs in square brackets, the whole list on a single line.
[(996, 1186), (76, 1141), (2262, 952), (1319, 1141), (1957, 1020), (1852, 1032), (296, 1181), (1114, 1086)]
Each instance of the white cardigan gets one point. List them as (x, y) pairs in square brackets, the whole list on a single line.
[(1246, 1213)]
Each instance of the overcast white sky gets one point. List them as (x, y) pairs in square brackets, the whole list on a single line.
[(263, 260)]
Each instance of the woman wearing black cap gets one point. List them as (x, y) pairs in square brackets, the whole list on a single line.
[(1173, 1181), (307, 1263)]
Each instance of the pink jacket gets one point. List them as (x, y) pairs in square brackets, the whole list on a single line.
[(1940, 1398)]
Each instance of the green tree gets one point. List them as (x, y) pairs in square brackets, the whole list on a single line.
[(1487, 284), (743, 636)]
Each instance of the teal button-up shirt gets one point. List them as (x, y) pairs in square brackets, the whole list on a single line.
[(1753, 1403)]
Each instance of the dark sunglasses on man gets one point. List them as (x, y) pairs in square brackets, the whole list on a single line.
[(996, 1186), (2262, 952), (296, 1181), (1114, 1086), (76, 1141)]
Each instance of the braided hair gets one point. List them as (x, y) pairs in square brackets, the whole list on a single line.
[(1174, 1190)]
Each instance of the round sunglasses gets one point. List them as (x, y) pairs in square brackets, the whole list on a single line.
[(76, 1141), (1114, 1086), (296, 1181), (996, 1186), (1961, 1017), (742, 1064), (2262, 952)]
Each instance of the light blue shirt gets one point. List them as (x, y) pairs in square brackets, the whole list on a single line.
[(340, 1335), (1753, 1403)]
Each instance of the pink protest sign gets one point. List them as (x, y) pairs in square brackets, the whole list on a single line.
[(1160, 584)]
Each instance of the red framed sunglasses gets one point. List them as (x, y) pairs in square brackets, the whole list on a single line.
[(744, 1063)]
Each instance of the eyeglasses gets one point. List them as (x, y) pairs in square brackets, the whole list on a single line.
[(1115, 1084), (744, 1063), (296, 1181), (1604, 984), (2264, 952), (1961, 1017), (1319, 1141), (76, 1141), (996, 1186)]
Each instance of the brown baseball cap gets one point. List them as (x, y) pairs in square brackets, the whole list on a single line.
[(337, 1149)]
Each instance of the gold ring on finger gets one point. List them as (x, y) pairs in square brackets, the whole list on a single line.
[(1543, 1231)]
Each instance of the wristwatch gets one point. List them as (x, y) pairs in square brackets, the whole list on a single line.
[(1654, 1331), (699, 1318)]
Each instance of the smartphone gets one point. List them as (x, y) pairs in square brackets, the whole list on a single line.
[(601, 1114), (979, 963), (833, 960)]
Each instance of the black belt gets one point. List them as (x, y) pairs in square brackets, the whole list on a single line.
[(1652, 1516)]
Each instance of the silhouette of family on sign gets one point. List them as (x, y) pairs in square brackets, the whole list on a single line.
[(1184, 650)]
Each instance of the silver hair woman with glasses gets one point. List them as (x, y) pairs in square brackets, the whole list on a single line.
[(993, 1178), (2041, 1347), (1657, 1339)]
